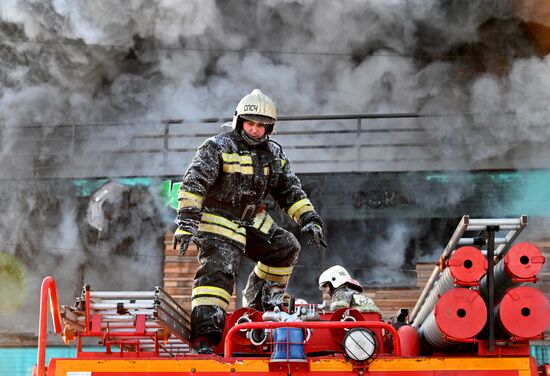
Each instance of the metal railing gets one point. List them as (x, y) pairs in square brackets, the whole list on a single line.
[(320, 143)]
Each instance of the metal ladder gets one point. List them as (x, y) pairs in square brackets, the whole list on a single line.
[(138, 321), (513, 226)]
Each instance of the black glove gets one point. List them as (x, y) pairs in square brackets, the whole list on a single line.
[(183, 238), (316, 231)]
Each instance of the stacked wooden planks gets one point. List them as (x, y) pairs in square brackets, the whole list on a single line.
[(391, 300)]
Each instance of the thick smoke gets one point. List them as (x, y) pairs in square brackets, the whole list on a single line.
[(85, 62), (44, 231), (116, 69)]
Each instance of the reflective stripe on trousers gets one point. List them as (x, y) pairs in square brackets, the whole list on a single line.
[(210, 295), (216, 224), (274, 274)]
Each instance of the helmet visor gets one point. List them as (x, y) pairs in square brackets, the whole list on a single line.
[(258, 118)]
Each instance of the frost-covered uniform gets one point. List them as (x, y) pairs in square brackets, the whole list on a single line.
[(227, 175), (347, 296)]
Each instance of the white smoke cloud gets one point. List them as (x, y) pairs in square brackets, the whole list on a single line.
[(149, 64), (136, 62)]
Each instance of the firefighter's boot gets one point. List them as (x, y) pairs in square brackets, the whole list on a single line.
[(202, 346), (262, 295)]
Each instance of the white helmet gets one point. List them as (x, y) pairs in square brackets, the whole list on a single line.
[(337, 275), (258, 107)]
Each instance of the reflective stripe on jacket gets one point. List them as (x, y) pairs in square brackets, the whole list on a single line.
[(345, 297), (228, 171)]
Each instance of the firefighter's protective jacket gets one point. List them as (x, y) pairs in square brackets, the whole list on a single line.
[(224, 189), (345, 296)]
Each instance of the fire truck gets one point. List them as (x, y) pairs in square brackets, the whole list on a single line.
[(476, 315)]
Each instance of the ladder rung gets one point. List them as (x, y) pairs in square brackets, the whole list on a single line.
[(494, 221), (122, 294), (501, 228), (471, 241), (114, 306), (124, 301)]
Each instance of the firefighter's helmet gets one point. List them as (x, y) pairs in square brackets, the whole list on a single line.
[(337, 275), (257, 107)]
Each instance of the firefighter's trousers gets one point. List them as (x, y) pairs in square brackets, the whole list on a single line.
[(219, 263)]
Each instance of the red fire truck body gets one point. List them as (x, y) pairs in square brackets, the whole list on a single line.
[(462, 325)]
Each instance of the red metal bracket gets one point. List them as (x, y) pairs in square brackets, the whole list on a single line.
[(140, 325), (289, 367), (461, 340), (96, 325), (524, 280)]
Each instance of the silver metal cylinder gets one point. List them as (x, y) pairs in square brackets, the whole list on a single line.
[(443, 284), (459, 316), (122, 294), (430, 333), (115, 306), (113, 312), (471, 241), (113, 318), (502, 282)]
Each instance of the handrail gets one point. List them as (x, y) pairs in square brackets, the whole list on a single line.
[(114, 123), (228, 346), (48, 290)]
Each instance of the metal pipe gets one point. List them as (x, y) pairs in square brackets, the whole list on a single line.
[(124, 301), (484, 227), (87, 313), (472, 241), (443, 284), (122, 294), (169, 341), (115, 318), (129, 324), (358, 144), (117, 306), (460, 229), (424, 294), (491, 285), (117, 331), (228, 346), (501, 251), (113, 312), (396, 115), (134, 337), (495, 221), (174, 345), (47, 290), (318, 117)]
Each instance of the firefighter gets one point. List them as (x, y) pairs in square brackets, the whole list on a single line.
[(344, 291), (221, 207)]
